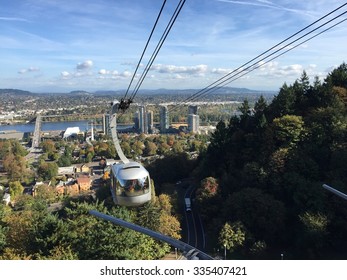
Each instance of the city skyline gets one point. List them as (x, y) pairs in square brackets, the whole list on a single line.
[(60, 46)]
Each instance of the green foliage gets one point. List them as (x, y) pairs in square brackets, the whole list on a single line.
[(150, 148), (47, 170), (288, 130), (314, 222), (13, 147), (263, 215), (232, 235), (258, 249), (245, 109), (271, 165), (45, 193), (3, 228), (16, 189), (3, 231), (171, 168), (31, 231), (168, 224), (66, 158)]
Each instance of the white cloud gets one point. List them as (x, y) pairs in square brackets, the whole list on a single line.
[(65, 75), (114, 74), (104, 72), (86, 65), (126, 74), (221, 71), (173, 69), (28, 70), (82, 69)]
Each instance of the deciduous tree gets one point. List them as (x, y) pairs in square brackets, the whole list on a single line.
[(232, 235)]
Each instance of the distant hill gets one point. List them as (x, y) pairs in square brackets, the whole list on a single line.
[(18, 92), (80, 92), (221, 90)]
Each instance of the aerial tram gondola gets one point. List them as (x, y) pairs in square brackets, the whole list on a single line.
[(130, 181)]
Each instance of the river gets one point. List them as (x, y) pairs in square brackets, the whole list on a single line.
[(51, 126)]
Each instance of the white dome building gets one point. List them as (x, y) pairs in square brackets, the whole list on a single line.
[(71, 131)]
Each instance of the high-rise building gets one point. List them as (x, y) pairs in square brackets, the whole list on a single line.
[(136, 120), (193, 110), (150, 121), (193, 123), (106, 124), (143, 121), (193, 118), (164, 119)]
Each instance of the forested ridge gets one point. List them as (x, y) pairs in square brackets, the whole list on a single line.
[(263, 194)]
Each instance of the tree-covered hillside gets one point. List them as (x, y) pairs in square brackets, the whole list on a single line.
[(270, 164)]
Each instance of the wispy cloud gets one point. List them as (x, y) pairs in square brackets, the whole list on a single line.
[(13, 19), (266, 4), (197, 69), (29, 70)]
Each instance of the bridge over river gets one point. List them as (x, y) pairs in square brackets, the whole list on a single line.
[(37, 133)]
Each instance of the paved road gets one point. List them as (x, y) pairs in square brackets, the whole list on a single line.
[(195, 230)]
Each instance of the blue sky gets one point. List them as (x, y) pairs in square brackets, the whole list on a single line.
[(60, 45)]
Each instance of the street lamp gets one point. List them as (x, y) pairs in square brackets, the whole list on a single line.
[(225, 251)]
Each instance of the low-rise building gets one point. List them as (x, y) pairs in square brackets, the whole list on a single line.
[(72, 189), (67, 170), (82, 168), (6, 199), (84, 183)]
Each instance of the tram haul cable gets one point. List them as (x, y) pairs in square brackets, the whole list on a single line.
[(241, 70), (158, 47), (125, 102), (144, 50)]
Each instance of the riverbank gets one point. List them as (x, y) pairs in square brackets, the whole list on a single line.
[(54, 126)]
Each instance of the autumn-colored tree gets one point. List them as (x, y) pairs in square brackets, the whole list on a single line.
[(16, 167), (165, 203), (138, 147), (5, 148), (126, 148), (163, 148), (106, 175), (19, 224), (208, 188), (170, 140), (48, 146), (232, 235), (169, 225), (16, 189), (150, 148)]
